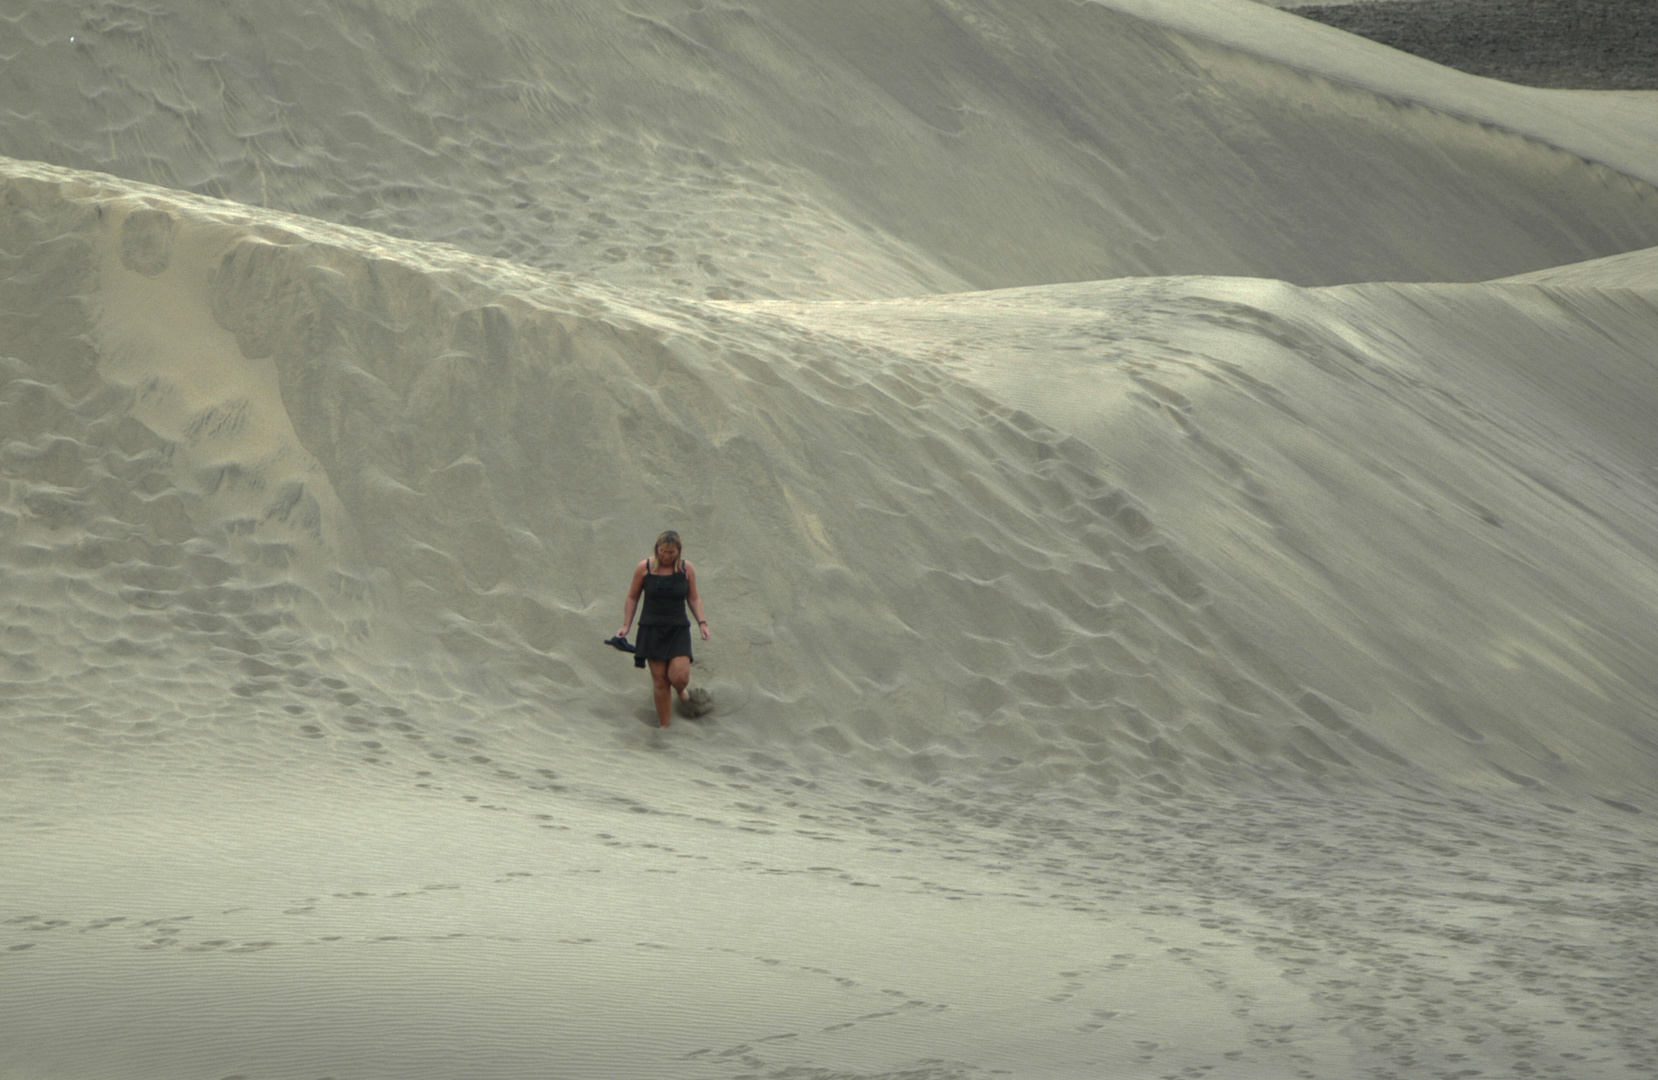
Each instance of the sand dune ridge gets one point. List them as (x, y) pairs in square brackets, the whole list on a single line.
[(783, 150)]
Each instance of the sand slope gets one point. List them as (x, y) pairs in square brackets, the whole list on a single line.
[(1359, 469), (1122, 522), (1131, 676), (872, 149)]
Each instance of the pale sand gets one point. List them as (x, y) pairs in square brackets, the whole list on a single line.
[(1143, 676)]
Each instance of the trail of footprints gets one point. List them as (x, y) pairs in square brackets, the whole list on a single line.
[(174, 932), (386, 725), (902, 1003), (1390, 997), (146, 934)]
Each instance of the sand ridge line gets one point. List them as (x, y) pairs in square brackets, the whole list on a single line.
[(778, 152)]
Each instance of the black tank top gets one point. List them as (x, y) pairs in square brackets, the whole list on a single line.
[(665, 596)]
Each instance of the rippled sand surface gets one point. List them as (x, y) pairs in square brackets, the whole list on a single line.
[(1173, 487)]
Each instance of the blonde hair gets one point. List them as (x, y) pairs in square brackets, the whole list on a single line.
[(669, 537)]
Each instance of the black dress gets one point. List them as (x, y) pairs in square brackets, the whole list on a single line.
[(664, 628)]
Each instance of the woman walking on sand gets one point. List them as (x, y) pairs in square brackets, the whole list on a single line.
[(668, 583)]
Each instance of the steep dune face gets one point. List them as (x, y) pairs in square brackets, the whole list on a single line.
[(1156, 533), (797, 150), (911, 571), (1432, 503)]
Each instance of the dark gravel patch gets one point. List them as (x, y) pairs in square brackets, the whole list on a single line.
[(1564, 44)]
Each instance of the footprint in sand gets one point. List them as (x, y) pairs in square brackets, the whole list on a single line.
[(698, 702)]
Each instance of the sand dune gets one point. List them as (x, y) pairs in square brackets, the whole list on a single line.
[(1418, 454), (787, 150), (1171, 613)]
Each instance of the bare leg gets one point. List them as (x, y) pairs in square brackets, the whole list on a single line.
[(662, 690), (695, 702), (679, 674)]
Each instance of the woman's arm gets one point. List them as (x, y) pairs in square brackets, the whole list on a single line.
[(696, 599), (632, 600)]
